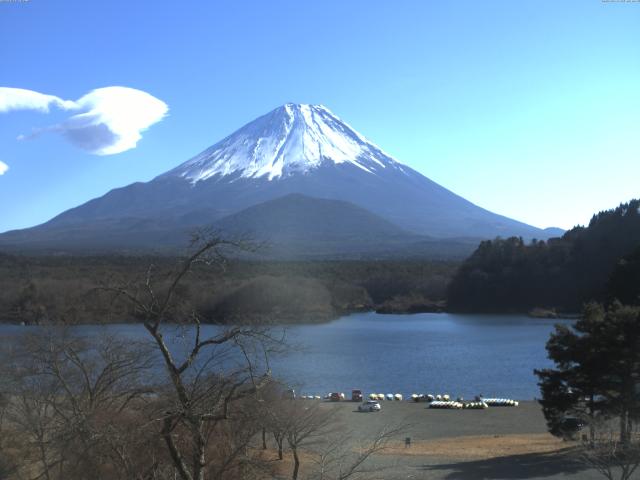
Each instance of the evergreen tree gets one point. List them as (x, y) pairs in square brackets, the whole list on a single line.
[(597, 374), (564, 273), (575, 387), (624, 284)]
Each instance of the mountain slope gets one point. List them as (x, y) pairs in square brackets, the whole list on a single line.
[(300, 218), (298, 226), (293, 149)]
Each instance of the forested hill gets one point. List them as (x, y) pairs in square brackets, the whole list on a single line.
[(592, 263)]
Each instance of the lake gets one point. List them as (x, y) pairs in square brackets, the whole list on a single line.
[(493, 355)]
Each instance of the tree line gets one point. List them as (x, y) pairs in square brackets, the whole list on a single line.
[(599, 262), (67, 290)]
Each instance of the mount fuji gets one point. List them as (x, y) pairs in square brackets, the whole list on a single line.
[(300, 154)]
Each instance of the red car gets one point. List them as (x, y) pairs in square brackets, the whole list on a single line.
[(335, 397)]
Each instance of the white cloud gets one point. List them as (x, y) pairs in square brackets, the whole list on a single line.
[(21, 99), (110, 119), (3, 168)]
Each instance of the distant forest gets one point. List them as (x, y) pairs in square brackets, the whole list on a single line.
[(69, 289), (599, 262)]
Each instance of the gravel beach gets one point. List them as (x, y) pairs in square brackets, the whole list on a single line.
[(496, 443)]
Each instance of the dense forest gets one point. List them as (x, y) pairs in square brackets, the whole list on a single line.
[(72, 289), (598, 262)]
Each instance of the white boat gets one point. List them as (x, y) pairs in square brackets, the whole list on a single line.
[(476, 405), (500, 402), (445, 405)]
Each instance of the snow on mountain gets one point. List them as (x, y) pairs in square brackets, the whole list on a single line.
[(293, 138)]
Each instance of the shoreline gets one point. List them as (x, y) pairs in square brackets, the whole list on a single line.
[(284, 321), (499, 442)]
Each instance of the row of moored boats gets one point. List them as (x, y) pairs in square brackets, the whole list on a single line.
[(479, 403), (389, 396), (434, 401)]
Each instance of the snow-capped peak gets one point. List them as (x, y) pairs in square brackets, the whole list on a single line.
[(293, 138)]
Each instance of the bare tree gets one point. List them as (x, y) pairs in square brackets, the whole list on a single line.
[(72, 403), (612, 457), (214, 373), (305, 424), (314, 428), (81, 408), (273, 403), (341, 458), (5, 465)]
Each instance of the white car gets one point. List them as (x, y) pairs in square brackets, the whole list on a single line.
[(369, 406)]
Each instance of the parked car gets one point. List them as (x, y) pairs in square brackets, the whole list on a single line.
[(369, 406), (356, 395), (335, 397)]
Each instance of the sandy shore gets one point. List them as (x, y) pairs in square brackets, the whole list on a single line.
[(496, 443)]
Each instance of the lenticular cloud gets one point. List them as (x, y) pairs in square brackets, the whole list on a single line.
[(21, 99), (108, 120)]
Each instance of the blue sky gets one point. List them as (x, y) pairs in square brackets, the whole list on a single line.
[(530, 109)]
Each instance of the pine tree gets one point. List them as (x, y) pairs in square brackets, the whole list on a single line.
[(597, 374)]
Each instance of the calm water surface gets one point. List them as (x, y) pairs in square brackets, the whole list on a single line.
[(423, 353)]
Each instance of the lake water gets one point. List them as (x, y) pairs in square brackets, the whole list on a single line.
[(493, 355)]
